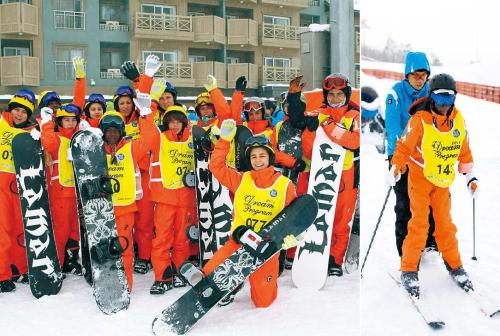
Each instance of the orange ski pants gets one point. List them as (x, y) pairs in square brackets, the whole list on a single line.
[(344, 211), (144, 223), (423, 194), (64, 219), (263, 282), (124, 226)]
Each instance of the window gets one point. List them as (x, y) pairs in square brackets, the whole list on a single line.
[(15, 51), (196, 58), (278, 20), (69, 5), (196, 14), (232, 60), (230, 17), (165, 56), (63, 62), (306, 20), (16, 1), (112, 11), (277, 62), (158, 9), (69, 15), (111, 59)]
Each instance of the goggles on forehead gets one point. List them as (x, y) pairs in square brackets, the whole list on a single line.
[(26, 96), (252, 105), (203, 100), (96, 98), (443, 98), (72, 108), (124, 91), (257, 140), (337, 83)]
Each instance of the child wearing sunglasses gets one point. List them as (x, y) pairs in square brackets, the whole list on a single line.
[(433, 141)]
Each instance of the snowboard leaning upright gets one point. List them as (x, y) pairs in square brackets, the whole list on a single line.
[(195, 303), (44, 271), (310, 266), (91, 172)]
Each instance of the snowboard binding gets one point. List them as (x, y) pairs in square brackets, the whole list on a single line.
[(190, 273), (99, 187), (189, 179), (260, 247), (108, 249), (193, 233)]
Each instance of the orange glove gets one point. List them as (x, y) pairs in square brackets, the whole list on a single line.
[(296, 85)]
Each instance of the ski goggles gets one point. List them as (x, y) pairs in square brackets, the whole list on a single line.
[(96, 98), (257, 140), (72, 109), (335, 82), (50, 96), (26, 95), (443, 97), (203, 100), (252, 105)]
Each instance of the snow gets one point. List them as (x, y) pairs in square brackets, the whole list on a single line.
[(384, 308), (295, 311), (316, 27)]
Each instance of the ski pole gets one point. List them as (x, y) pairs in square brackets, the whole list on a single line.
[(376, 228), (474, 229)]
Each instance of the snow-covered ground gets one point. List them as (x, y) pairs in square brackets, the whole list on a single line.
[(384, 308), (295, 312)]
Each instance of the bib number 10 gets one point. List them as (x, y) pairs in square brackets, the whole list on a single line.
[(446, 169)]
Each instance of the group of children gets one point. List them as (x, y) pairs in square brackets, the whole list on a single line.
[(154, 205)]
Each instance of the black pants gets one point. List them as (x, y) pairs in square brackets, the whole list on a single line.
[(403, 215)]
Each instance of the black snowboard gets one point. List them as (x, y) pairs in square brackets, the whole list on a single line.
[(242, 134), (44, 272), (195, 303), (213, 204), (94, 192), (290, 142)]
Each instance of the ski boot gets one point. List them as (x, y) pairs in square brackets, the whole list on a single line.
[(190, 274), (409, 281), (334, 269), (178, 282), (19, 278), (462, 279), (160, 287), (7, 286), (141, 266), (107, 249), (229, 298), (71, 264)]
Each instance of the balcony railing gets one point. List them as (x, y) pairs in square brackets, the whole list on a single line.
[(209, 28), (69, 20), (113, 27), (202, 69), (171, 70), (280, 32), (18, 18), (19, 70), (313, 3), (161, 22), (249, 70), (289, 3), (111, 74), (64, 70), (278, 75), (243, 32)]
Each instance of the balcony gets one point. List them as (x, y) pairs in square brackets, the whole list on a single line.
[(314, 3), (69, 20), (244, 32), (282, 36), (113, 26), (278, 75), (19, 70), (202, 69), (249, 70), (111, 74), (18, 18), (288, 3), (177, 73), (209, 29), (160, 26)]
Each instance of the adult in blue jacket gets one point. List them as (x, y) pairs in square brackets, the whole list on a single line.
[(398, 101)]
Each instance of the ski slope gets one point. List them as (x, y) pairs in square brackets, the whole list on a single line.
[(295, 312), (384, 308)]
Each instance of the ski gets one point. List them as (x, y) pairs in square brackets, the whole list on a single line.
[(422, 309), (483, 302)]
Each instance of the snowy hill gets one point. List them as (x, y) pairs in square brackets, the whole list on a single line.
[(384, 308)]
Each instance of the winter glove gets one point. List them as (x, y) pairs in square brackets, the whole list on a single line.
[(472, 184), (289, 242), (296, 85), (241, 84), (152, 65), (393, 176), (95, 131), (214, 134), (157, 89), (299, 166), (35, 134), (129, 70), (312, 123), (143, 103), (46, 114), (78, 65), (228, 130), (69, 154), (212, 83), (84, 125)]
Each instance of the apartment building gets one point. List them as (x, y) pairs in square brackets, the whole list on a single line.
[(228, 38)]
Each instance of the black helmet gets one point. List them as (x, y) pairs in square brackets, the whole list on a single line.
[(442, 81), (259, 141), (112, 119)]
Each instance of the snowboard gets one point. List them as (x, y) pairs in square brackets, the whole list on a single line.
[(290, 142), (94, 192), (351, 262), (198, 301), (242, 135), (311, 257), (84, 243), (44, 272), (214, 205)]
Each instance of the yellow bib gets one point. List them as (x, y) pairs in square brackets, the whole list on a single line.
[(65, 177), (124, 172), (7, 133), (440, 151), (132, 130), (349, 154), (176, 160), (254, 206)]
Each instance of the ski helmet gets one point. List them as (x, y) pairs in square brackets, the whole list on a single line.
[(442, 81), (46, 97), (339, 82), (203, 99), (178, 113), (68, 110), (259, 141), (122, 91), (23, 98), (256, 104), (94, 98), (172, 90), (416, 61), (112, 119)]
